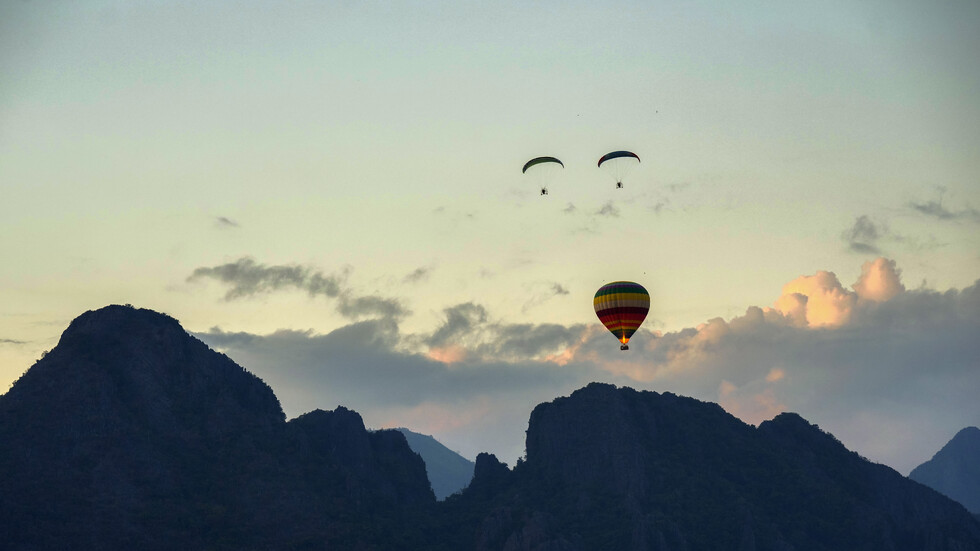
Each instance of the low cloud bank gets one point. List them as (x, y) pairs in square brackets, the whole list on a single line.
[(889, 371)]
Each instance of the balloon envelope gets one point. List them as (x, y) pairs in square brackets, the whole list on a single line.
[(622, 306)]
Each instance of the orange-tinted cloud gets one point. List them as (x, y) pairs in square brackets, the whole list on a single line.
[(816, 301), (820, 300), (775, 374), (895, 356), (750, 404), (879, 280), (447, 354)]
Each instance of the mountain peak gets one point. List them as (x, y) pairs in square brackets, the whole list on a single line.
[(448, 471), (637, 459), (131, 433), (118, 316), (955, 469), (968, 432), (145, 363)]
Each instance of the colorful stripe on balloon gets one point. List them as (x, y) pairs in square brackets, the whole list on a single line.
[(622, 306)]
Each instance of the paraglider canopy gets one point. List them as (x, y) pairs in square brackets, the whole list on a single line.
[(539, 160), (618, 155), (618, 164), (543, 170), (622, 306)]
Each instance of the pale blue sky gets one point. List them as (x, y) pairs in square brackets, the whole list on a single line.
[(369, 142)]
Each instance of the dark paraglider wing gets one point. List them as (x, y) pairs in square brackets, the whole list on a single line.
[(619, 164), (622, 306), (618, 155), (539, 160), (542, 171)]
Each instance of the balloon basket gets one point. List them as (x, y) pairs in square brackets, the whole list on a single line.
[(624, 347)]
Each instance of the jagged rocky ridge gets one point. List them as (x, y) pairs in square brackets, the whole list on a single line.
[(132, 434), (615, 468)]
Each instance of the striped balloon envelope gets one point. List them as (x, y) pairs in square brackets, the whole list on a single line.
[(622, 306)]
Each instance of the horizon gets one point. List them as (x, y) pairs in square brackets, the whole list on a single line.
[(332, 195)]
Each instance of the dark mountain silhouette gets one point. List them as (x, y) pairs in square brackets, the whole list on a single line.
[(448, 471), (131, 434), (613, 468), (955, 469)]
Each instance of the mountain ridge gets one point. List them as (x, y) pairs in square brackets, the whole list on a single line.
[(954, 470), (448, 471), (654, 471), (133, 434)]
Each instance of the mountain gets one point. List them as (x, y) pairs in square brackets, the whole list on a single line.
[(613, 468), (955, 469), (131, 433), (448, 471)]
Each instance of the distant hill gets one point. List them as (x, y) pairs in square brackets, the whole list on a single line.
[(131, 434), (613, 468), (955, 469), (448, 471)]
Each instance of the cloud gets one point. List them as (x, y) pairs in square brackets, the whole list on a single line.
[(541, 293), (660, 205), (569, 209), (862, 237), (473, 403), (460, 320), (608, 209), (935, 209), (880, 280), (752, 401), (866, 235), (418, 275), (370, 306), (892, 372), (775, 374), (663, 199), (223, 222), (247, 278), (468, 332), (816, 301), (821, 301)]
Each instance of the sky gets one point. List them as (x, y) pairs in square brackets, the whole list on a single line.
[(331, 194)]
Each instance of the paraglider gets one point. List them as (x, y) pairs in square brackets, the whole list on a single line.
[(619, 164), (622, 306), (543, 170)]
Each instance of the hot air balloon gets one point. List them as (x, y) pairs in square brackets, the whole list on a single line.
[(619, 164), (622, 306), (543, 170)]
